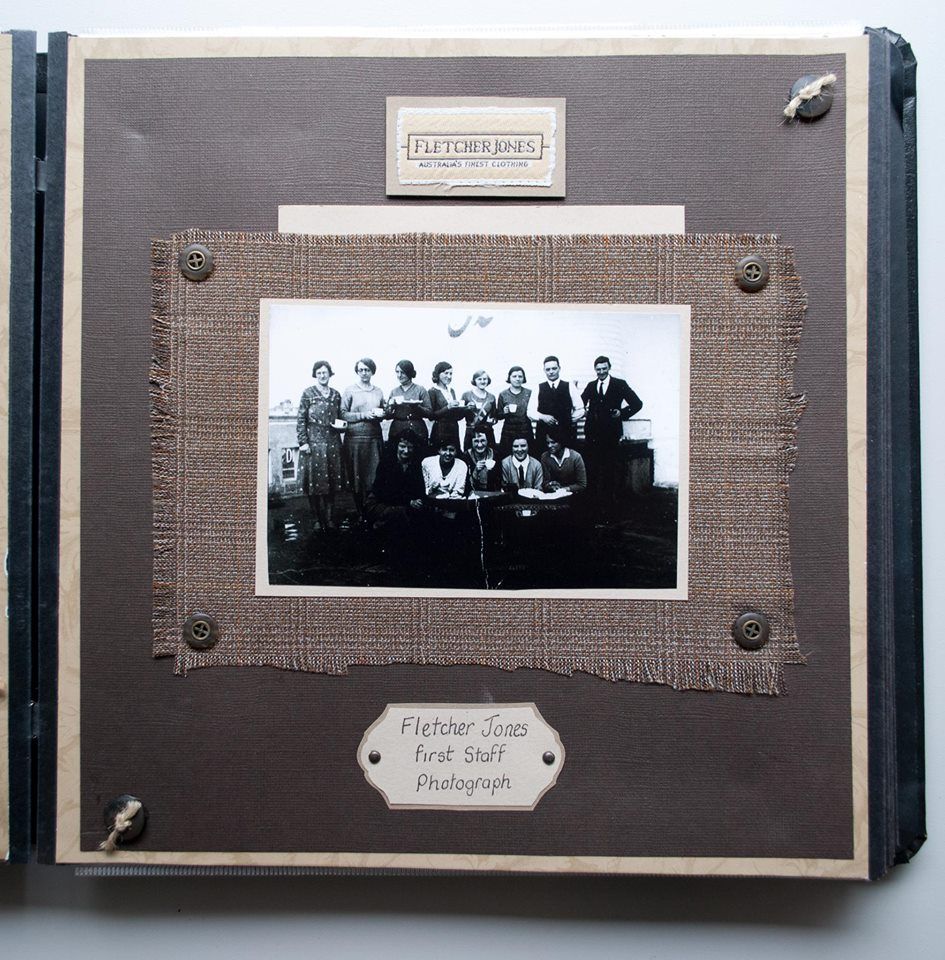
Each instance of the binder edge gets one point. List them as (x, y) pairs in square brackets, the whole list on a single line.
[(895, 665)]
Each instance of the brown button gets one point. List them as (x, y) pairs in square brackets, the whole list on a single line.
[(133, 830), (815, 106), (195, 261), (751, 630), (201, 631), (751, 273)]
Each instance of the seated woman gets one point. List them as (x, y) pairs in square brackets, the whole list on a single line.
[(520, 471), (562, 467), (445, 475), (397, 492), (484, 469)]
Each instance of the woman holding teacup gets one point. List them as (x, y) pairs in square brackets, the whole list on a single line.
[(408, 407), (480, 408), (362, 408), (481, 458), (512, 410), (319, 428), (446, 410)]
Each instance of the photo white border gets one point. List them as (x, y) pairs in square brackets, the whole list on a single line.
[(678, 592)]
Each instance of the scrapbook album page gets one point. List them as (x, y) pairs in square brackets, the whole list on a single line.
[(480, 455)]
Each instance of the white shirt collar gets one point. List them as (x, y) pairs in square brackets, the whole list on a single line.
[(605, 382)]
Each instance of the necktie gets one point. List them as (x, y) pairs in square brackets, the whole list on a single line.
[(521, 476), (600, 389)]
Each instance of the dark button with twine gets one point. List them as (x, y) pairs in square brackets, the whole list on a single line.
[(751, 630), (195, 261), (125, 818), (201, 631), (752, 273), (809, 108)]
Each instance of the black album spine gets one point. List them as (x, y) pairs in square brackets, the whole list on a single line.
[(896, 731)]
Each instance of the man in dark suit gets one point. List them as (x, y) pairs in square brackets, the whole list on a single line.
[(608, 401)]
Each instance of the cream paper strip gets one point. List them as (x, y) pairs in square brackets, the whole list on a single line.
[(519, 219)]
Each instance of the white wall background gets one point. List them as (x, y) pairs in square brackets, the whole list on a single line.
[(643, 347), (46, 912)]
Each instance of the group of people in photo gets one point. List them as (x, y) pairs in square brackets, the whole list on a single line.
[(457, 456)]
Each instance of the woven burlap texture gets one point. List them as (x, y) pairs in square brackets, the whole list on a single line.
[(743, 422)]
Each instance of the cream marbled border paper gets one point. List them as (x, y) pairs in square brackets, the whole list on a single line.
[(82, 49), (6, 186)]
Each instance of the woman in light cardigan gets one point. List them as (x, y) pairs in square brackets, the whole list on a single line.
[(362, 408)]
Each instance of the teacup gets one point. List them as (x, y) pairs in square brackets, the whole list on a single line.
[(513, 408), (490, 464), (378, 412), (339, 424)]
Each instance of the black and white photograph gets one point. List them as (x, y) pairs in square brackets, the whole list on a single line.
[(429, 447)]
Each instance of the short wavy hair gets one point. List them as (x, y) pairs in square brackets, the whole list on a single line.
[(441, 367), (512, 370), (408, 368), (318, 364), (478, 374), (368, 362)]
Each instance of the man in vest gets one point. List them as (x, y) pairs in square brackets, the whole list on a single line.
[(552, 405)]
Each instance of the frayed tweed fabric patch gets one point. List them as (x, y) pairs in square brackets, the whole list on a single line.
[(743, 417)]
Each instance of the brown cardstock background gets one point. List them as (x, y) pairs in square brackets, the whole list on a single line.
[(651, 771)]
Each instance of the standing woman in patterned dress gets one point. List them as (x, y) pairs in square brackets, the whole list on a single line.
[(320, 440), (362, 408)]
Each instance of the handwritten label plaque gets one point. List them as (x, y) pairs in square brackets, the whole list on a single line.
[(461, 756)]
